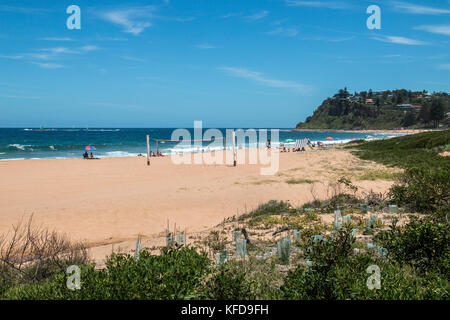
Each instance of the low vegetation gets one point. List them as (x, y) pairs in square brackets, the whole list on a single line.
[(299, 181)]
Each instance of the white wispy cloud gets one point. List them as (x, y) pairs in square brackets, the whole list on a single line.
[(282, 31), (418, 9), (12, 57), (444, 66), (56, 39), (48, 65), (318, 4), (89, 48), (257, 16), (401, 40), (111, 39), (329, 39), (265, 80), (133, 20), (58, 50), (438, 29), (42, 56), (206, 46)]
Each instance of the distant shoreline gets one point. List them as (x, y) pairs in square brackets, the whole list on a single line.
[(368, 130)]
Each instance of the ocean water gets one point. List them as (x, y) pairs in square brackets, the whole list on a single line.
[(25, 143)]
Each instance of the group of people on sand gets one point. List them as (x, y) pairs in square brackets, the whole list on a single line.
[(283, 148), (87, 155), (152, 154)]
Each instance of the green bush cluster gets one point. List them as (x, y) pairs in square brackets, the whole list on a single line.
[(337, 272), (228, 283), (174, 274), (422, 189), (422, 243)]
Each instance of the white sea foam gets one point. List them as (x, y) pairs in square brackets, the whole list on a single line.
[(9, 159), (117, 154), (19, 146)]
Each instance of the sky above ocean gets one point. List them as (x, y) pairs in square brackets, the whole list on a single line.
[(253, 63)]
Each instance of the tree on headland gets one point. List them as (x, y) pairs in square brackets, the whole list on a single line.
[(437, 111), (377, 102), (424, 113), (409, 120), (343, 93), (364, 96)]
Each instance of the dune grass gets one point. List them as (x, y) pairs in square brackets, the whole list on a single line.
[(299, 181), (373, 175)]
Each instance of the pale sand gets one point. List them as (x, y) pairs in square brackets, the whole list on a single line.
[(112, 200)]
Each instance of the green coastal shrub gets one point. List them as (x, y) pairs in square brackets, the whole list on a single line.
[(228, 283), (319, 280), (422, 243), (336, 272), (174, 274), (423, 189)]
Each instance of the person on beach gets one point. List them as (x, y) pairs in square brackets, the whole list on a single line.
[(85, 155), (268, 144), (91, 156)]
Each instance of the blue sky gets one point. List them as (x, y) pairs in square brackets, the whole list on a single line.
[(229, 63)]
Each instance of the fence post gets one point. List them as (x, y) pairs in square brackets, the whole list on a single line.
[(234, 148), (148, 150)]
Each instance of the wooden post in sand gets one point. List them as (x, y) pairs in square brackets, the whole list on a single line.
[(148, 150), (233, 135)]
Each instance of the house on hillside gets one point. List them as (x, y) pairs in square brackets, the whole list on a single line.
[(408, 107), (404, 106), (370, 101)]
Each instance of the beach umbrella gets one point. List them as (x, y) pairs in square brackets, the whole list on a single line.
[(89, 148), (329, 138)]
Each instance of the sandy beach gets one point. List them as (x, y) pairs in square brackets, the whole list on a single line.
[(112, 200)]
